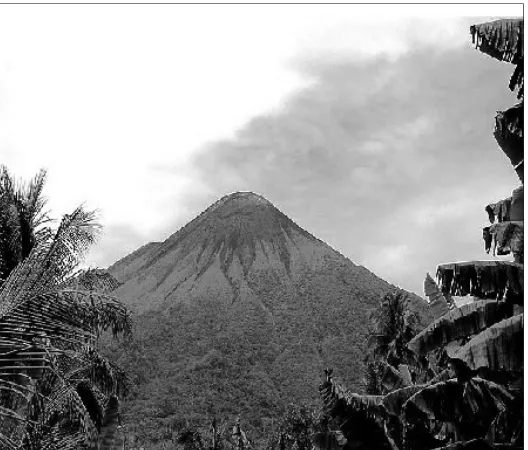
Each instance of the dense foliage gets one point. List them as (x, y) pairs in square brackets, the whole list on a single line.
[(460, 397), (217, 336), (56, 390), (198, 360)]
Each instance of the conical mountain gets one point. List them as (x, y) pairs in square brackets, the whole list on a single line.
[(239, 312), (223, 253)]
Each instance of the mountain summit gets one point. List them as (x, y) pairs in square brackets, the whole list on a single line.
[(239, 312), (221, 252)]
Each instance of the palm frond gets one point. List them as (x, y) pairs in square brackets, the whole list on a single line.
[(50, 261), (35, 201), (63, 440), (6, 443), (92, 280), (21, 218), (67, 316), (65, 404), (90, 365)]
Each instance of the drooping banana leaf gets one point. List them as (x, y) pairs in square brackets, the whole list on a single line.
[(475, 401), (438, 303), (503, 40), (508, 237), (499, 211), (392, 378), (394, 401), (481, 279), (338, 399), (464, 321), (509, 134), (499, 347)]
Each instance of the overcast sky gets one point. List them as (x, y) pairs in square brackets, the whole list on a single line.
[(371, 127)]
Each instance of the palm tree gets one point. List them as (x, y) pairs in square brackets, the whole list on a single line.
[(387, 363), (22, 216), (56, 391)]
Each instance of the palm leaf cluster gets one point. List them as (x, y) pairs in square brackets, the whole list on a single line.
[(56, 391), (387, 363), (22, 217)]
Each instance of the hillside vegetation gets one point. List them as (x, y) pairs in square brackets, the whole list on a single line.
[(238, 313)]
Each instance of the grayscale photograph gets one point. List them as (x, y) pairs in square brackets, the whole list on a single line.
[(261, 226)]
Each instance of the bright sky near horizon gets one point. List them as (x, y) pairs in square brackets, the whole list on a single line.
[(370, 126)]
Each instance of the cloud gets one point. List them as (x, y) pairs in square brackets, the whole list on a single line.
[(116, 241), (391, 161), (356, 120)]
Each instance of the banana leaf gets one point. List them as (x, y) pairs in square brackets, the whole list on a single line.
[(503, 40), (475, 401), (459, 323), (508, 237), (394, 401), (500, 347), (337, 399), (438, 303), (482, 279), (392, 378), (509, 134), (499, 211)]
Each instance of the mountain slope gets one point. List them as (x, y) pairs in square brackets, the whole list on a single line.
[(239, 312)]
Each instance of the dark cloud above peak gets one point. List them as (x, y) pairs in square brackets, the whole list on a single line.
[(369, 142)]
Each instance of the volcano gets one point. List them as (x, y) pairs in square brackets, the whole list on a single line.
[(238, 313)]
